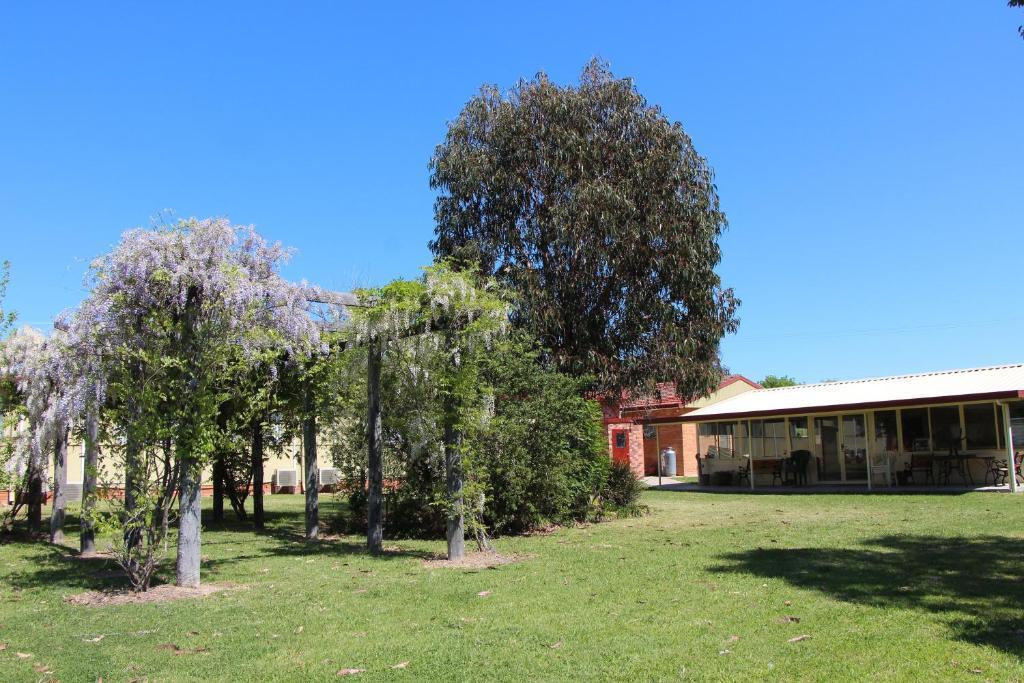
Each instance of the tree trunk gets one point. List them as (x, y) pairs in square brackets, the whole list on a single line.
[(87, 537), (374, 516), (257, 474), (218, 488), (133, 532), (34, 483), (60, 457), (453, 479), (189, 525), (310, 464)]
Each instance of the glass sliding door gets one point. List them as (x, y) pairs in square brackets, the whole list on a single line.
[(840, 442), (854, 445), (826, 446)]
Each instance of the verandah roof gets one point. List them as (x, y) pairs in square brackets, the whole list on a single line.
[(951, 386)]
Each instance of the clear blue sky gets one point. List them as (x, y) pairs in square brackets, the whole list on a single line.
[(868, 153)]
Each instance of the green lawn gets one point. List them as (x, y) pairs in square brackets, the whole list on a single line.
[(708, 587)]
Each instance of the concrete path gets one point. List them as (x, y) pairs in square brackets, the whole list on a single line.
[(669, 484)]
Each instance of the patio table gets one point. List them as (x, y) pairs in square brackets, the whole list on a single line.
[(959, 461)]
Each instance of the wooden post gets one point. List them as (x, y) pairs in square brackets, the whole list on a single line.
[(189, 523), (374, 516), (310, 463), (60, 457), (132, 534), (1011, 465), (218, 487), (453, 471), (87, 535), (257, 474), (34, 482)]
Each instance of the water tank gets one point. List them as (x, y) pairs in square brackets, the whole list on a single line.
[(668, 462)]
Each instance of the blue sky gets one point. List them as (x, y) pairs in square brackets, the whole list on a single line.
[(868, 154)]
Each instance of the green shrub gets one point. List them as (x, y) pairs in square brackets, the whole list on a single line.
[(622, 487)]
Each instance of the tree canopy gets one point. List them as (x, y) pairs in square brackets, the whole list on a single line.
[(596, 210), (776, 381)]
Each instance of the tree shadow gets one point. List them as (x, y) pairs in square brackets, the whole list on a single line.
[(976, 584)]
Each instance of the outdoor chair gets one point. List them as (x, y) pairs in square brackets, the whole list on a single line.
[(799, 460), (743, 473), (779, 472), (882, 466), (923, 464), (1002, 472)]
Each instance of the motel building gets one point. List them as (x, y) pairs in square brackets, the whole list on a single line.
[(961, 428)]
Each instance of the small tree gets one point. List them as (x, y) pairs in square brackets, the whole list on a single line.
[(776, 381), (452, 315), (172, 305)]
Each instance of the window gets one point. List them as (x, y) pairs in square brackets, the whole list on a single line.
[(799, 437), (620, 440), (768, 438), (886, 438), (946, 431), (916, 436), (726, 442), (707, 440), (980, 425)]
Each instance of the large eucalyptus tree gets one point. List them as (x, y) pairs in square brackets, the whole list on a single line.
[(599, 213)]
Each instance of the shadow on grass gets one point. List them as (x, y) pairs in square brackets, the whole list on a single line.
[(975, 584), (52, 566)]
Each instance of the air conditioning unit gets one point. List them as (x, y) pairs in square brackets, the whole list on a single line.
[(284, 478), (330, 476)]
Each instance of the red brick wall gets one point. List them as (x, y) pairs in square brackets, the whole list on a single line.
[(688, 458), (636, 444)]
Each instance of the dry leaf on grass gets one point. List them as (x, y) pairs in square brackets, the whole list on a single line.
[(787, 603), (22, 655), (300, 629), (400, 665), (790, 619), (483, 594), (94, 640), (732, 639), (3, 646), (555, 646), (725, 652), (350, 672), (799, 638), (181, 650)]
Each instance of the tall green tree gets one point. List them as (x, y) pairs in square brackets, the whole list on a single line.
[(598, 212)]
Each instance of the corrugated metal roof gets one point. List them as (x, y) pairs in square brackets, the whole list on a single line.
[(1001, 381)]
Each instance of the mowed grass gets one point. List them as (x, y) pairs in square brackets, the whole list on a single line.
[(707, 587)]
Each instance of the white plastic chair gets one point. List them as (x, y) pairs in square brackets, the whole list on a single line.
[(881, 464)]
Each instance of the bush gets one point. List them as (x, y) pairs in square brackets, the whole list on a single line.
[(622, 487), (537, 454)]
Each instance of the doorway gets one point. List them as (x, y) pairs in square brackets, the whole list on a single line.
[(620, 445), (841, 445)]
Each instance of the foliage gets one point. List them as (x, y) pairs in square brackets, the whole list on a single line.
[(174, 316), (544, 455), (1017, 3), (597, 211), (623, 488), (7, 317), (776, 381), (533, 447), (33, 416), (435, 330)]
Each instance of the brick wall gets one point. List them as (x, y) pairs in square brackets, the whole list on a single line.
[(636, 444)]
